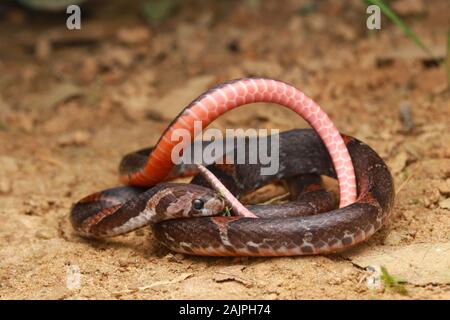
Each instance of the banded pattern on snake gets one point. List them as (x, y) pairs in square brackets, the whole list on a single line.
[(308, 225)]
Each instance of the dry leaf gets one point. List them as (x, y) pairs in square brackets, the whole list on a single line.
[(232, 273)]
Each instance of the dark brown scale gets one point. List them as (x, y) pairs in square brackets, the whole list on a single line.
[(306, 225), (92, 204), (325, 232)]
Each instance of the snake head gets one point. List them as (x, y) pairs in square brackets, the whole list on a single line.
[(187, 200)]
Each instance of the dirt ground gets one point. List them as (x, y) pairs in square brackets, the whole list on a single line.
[(72, 103)]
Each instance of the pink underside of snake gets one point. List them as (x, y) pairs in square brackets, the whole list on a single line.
[(235, 204), (245, 91)]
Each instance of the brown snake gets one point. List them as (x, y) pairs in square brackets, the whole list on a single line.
[(185, 217)]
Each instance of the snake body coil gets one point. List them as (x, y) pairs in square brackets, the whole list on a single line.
[(184, 216)]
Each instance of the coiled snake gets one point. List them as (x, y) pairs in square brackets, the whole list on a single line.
[(186, 217)]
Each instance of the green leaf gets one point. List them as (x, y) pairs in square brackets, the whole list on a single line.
[(157, 11), (391, 282), (399, 22), (410, 34), (226, 212)]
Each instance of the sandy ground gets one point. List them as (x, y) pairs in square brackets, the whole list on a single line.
[(73, 103)]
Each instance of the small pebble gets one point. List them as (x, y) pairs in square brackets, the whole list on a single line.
[(444, 187), (431, 198), (178, 257), (445, 204), (74, 138), (45, 234), (406, 117), (124, 262)]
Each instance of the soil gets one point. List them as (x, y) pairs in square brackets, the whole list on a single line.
[(72, 103)]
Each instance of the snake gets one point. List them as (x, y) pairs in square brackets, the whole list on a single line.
[(192, 218)]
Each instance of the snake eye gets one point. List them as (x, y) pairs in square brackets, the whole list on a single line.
[(197, 204)]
